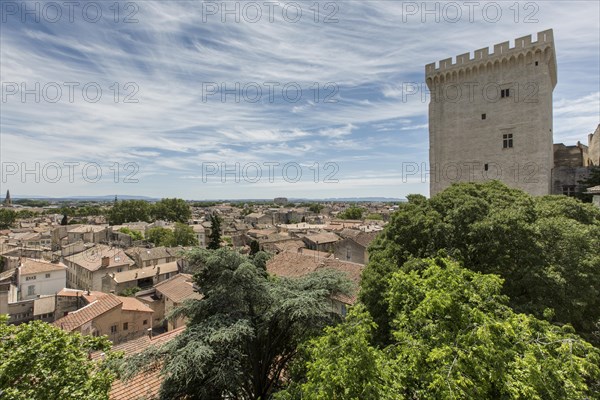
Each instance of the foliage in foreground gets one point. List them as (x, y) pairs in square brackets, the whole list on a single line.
[(547, 249), (243, 333), (454, 337), (41, 362)]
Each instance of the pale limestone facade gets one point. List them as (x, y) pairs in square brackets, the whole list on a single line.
[(490, 116)]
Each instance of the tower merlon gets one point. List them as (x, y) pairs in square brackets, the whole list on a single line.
[(545, 39)]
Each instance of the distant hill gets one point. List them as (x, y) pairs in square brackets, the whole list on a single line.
[(108, 198)]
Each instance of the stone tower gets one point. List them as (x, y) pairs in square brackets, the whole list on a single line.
[(7, 199), (490, 116)]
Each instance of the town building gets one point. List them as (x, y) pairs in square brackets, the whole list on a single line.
[(87, 268), (36, 278), (119, 318), (140, 278), (167, 295)]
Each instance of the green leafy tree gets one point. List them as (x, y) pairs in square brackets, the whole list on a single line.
[(352, 212), (590, 181), (26, 214), (41, 362), (214, 239), (173, 210), (160, 236), (254, 247), (546, 248), (183, 235), (374, 216), (453, 337), (242, 334), (246, 211), (315, 207), (129, 211), (7, 218), (129, 292), (32, 202), (135, 235)]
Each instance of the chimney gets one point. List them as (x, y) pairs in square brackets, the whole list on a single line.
[(105, 261)]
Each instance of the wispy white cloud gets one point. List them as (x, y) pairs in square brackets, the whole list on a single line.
[(361, 63)]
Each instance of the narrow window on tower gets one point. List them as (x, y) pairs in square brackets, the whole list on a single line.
[(507, 141), (483, 116), (486, 167), (536, 63), (504, 93)]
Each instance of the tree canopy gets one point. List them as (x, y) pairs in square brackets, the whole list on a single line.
[(41, 362), (181, 235), (7, 218), (172, 210), (214, 239), (135, 235), (546, 248), (453, 337), (352, 212), (245, 330), (130, 211)]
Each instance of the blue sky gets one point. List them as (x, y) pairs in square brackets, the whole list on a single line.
[(180, 136)]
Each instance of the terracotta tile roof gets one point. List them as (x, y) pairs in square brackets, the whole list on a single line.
[(294, 265), (7, 275), (31, 266), (88, 228), (75, 319), (146, 385), (290, 245), (91, 259), (140, 344), (133, 304), (145, 272), (178, 288), (321, 238), (365, 238), (146, 254)]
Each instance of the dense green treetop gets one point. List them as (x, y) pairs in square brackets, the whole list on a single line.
[(547, 249), (41, 362), (243, 333), (7, 218), (172, 210), (453, 336), (352, 212), (130, 211)]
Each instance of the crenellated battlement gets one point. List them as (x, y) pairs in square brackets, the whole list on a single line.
[(545, 39)]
